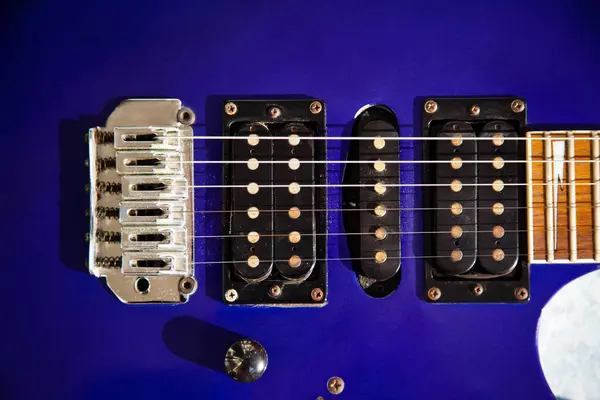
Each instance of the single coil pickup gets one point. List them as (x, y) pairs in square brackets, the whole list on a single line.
[(108, 236), (378, 258), (107, 212)]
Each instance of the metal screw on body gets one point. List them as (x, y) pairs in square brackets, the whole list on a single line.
[(335, 385), (186, 116), (230, 109), (478, 290), (274, 291), (475, 110), (521, 293), (187, 285), (430, 106), (316, 107), (434, 293), (231, 295), (274, 112), (517, 106), (317, 294)]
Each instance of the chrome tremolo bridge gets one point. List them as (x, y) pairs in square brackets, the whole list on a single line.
[(141, 197)]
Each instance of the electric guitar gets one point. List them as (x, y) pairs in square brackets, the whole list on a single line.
[(495, 195)]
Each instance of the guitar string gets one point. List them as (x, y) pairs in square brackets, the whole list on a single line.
[(463, 161), (456, 135), (267, 211), (388, 185), (348, 234), (362, 258)]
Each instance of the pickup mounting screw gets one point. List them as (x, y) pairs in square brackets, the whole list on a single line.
[(521, 293), (316, 294), (434, 293), (517, 106), (477, 290), (316, 107), (430, 106), (335, 385), (475, 110), (230, 109), (274, 112), (274, 291), (231, 295)]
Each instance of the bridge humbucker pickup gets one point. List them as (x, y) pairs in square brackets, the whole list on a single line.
[(142, 204), (371, 210), (277, 196), (475, 200)]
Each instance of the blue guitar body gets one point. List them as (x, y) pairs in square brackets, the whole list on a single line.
[(68, 64)]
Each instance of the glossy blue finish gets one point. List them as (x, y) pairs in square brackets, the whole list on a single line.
[(64, 337)]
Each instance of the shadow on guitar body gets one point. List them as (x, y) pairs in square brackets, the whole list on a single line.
[(74, 200), (200, 342)]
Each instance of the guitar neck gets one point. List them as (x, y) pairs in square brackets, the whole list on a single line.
[(563, 197)]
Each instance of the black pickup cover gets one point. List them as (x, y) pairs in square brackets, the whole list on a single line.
[(360, 220)]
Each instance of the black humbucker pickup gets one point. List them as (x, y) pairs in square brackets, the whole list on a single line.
[(371, 201), (475, 211), (275, 251)]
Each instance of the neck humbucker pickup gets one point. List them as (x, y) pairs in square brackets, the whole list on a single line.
[(141, 197), (474, 191)]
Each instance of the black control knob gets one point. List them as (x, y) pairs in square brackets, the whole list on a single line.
[(246, 360)]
